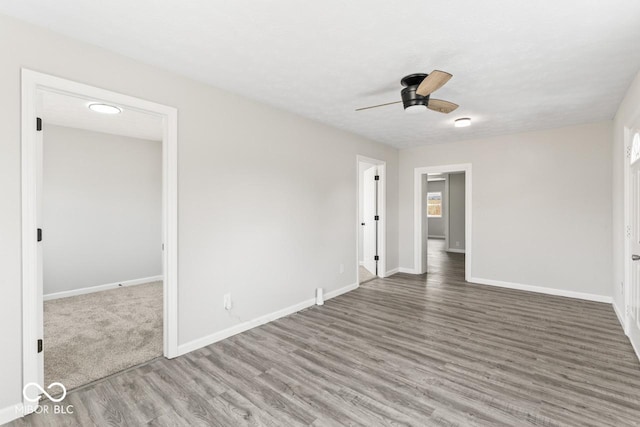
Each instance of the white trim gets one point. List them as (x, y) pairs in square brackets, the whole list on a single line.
[(406, 270), (446, 211), (391, 272), (382, 223), (542, 290), (457, 251), (250, 324), (11, 413), (626, 241), (635, 349), (32, 82), (618, 313), (420, 262), (99, 288)]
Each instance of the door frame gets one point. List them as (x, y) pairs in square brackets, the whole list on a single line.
[(419, 260), (32, 82), (382, 211)]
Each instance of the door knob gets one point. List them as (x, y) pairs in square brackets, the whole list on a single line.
[(635, 257), (362, 223)]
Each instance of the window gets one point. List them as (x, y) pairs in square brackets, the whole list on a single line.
[(434, 205)]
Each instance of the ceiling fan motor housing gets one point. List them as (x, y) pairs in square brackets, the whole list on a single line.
[(409, 95)]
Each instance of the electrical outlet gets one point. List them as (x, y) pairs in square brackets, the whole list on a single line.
[(341, 268), (228, 304)]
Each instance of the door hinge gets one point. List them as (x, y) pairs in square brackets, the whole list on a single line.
[(377, 177), (628, 231), (39, 346), (38, 124), (376, 218), (376, 258), (163, 246), (39, 234)]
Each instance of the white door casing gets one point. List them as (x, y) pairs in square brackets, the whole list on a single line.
[(32, 292), (420, 224)]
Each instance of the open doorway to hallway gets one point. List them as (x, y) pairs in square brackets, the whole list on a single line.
[(442, 203), (445, 211)]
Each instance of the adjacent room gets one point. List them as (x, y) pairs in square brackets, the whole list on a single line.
[(102, 255), (320, 213)]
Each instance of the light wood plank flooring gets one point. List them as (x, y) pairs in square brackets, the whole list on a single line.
[(407, 350)]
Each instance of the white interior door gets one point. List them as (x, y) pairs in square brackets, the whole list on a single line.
[(368, 219), (39, 267), (633, 301)]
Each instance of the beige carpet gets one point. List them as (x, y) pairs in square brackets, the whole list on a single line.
[(88, 337), (365, 275)]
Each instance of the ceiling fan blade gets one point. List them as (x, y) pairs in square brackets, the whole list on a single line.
[(433, 82), (441, 106), (376, 106)]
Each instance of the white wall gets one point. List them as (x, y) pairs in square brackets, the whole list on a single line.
[(456, 211), (267, 199), (102, 203), (628, 113), (537, 219), (436, 225)]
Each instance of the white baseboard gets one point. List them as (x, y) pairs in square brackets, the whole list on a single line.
[(245, 326), (11, 413), (391, 272), (435, 237), (99, 288), (620, 316), (543, 290), (457, 251), (406, 270)]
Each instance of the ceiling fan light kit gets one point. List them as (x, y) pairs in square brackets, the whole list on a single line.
[(409, 96), (416, 95)]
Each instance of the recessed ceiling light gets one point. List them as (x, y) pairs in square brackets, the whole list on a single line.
[(416, 108), (462, 123), (105, 108)]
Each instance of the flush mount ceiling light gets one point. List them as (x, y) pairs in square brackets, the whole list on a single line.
[(105, 108), (462, 123)]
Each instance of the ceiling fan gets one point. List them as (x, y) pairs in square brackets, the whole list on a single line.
[(416, 95)]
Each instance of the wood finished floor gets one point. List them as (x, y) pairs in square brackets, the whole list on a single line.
[(407, 350)]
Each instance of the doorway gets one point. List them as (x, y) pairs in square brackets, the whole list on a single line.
[(34, 86), (371, 219), (442, 218)]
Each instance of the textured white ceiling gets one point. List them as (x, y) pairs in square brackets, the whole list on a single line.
[(70, 111), (517, 65)]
